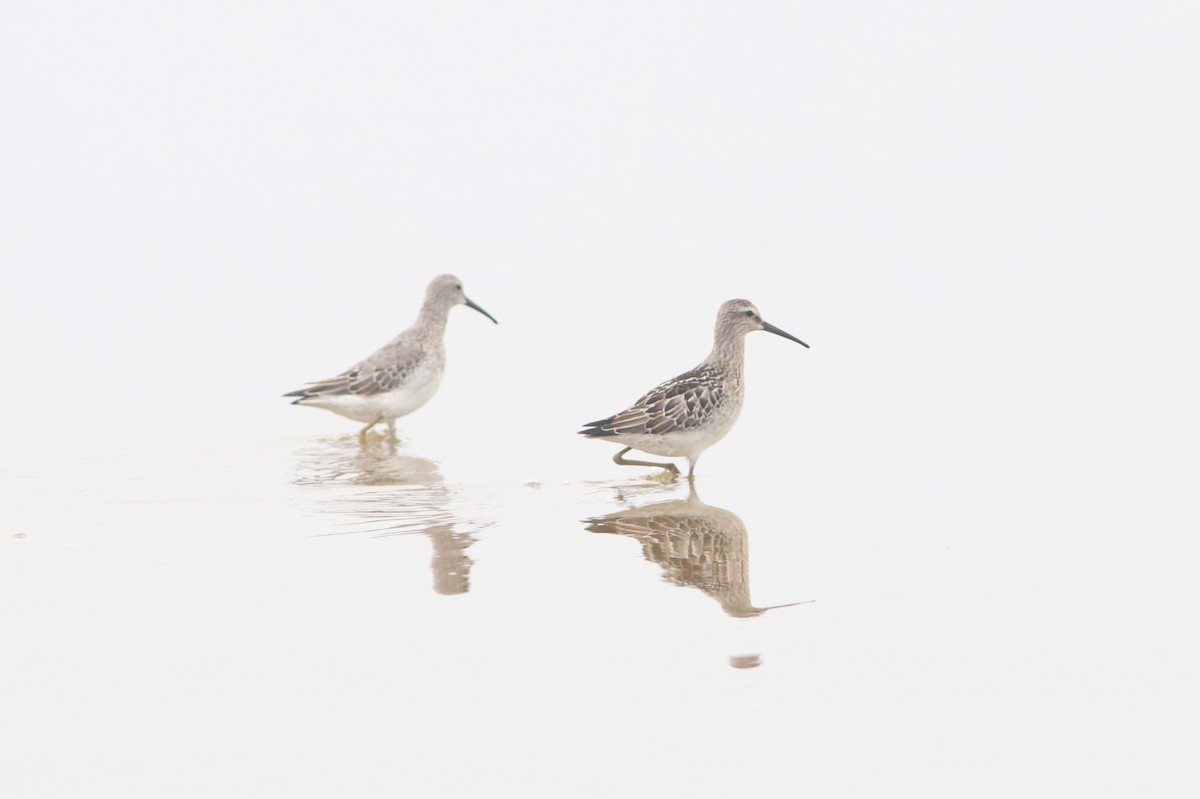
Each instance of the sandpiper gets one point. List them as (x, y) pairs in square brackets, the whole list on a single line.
[(400, 376), (688, 414), (695, 544)]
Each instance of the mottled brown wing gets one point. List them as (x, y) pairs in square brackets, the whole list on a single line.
[(376, 378), (384, 370), (677, 405)]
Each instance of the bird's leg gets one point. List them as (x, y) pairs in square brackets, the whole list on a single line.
[(392, 430), (362, 434), (691, 471), (617, 459)]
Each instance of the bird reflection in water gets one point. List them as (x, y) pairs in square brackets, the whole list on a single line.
[(408, 496), (696, 545), (377, 463)]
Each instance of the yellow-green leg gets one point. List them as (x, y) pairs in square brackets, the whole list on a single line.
[(619, 460), (362, 434)]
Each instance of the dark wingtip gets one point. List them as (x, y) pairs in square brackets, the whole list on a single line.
[(597, 432), (301, 394), (601, 525)]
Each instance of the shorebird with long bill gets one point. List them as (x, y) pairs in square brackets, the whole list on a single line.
[(688, 414), (400, 376)]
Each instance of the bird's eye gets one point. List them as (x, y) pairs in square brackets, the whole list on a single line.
[(459, 287), (749, 313)]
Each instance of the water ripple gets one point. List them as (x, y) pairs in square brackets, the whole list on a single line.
[(404, 495)]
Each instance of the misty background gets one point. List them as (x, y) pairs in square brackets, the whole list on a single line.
[(981, 217)]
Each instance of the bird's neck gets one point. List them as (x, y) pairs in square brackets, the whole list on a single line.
[(728, 351), (431, 322)]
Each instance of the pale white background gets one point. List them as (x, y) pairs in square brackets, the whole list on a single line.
[(982, 218)]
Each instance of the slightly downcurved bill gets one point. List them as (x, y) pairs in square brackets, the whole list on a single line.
[(770, 328), (472, 305)]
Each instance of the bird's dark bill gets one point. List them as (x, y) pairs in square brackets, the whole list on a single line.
[(470, 304), (770, 328)]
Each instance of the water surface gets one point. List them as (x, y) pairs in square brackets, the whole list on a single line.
[(328, 619)]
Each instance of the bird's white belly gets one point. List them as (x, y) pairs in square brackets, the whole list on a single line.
[(684, 444), (386, 406)]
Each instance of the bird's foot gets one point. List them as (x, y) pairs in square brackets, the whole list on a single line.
[(668, 475)]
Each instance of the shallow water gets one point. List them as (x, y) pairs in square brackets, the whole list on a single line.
[(970, 507), (324, 619)]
